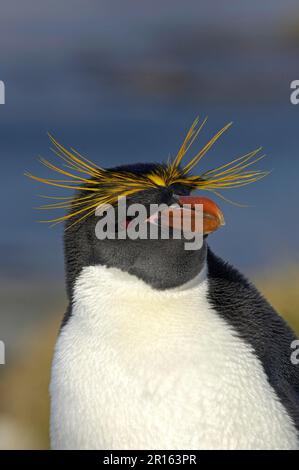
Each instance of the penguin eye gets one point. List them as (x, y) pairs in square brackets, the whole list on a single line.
[(126, 222)]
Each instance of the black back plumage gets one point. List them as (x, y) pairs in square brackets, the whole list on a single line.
[(254, 319)]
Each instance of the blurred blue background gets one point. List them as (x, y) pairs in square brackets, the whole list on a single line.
[(122, 82)]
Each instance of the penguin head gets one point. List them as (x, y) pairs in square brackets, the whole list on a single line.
[(161, 262)]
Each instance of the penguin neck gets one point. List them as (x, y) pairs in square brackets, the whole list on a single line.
[(117, 284), (193, 283), (170, 266), (162, 266), (113, 301)]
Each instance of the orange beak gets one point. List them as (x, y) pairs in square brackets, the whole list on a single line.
[(212, 217)]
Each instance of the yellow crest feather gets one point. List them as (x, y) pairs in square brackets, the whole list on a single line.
[(106, 186)]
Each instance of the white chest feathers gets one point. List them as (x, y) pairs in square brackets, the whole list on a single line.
[(136, 368)]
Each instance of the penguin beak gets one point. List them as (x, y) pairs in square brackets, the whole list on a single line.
[(212, 217)]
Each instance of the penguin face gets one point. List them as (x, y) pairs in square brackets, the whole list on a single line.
[(162, 263)]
